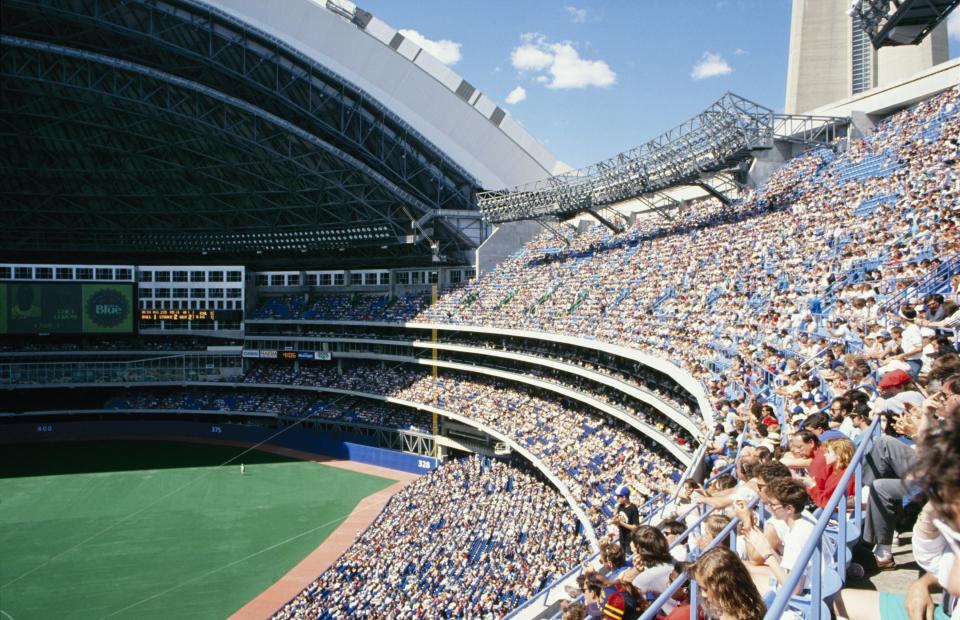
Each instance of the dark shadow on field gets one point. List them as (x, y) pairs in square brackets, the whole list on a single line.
[(77, 457)]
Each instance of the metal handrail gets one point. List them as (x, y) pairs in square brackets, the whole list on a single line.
[(812, 549), (729, 531)]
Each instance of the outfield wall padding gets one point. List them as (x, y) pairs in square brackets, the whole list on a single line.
[(346, 446)]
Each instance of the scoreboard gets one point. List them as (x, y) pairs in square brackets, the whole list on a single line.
[(177, 315)]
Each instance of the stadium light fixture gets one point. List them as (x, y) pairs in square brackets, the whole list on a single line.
[(900, 22)]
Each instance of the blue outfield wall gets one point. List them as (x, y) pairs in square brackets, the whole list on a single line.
[(346, 446)]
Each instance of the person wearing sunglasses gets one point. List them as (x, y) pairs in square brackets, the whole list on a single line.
[(788, 500)]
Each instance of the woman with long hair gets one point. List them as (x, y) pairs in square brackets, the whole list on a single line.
[(653, 565), (726, 588)]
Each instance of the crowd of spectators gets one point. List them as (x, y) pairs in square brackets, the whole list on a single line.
[(473, 539), (763, 285), (120, 344), (637, 375), (769, 499), (288, 405), (627, 404), (793, 306), (343, 307), (590, 453)]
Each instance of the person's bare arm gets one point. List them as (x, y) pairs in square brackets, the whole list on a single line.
[(794, 462), (919, 603)]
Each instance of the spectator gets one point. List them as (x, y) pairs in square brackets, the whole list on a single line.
[(819, 424), (626, 518), (787, 502), (837, 454), (653, 565), (911, 343), (726, 588), (618, 600)]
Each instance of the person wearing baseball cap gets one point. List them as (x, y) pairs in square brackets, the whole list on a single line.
[(930, 350), (896, 388)]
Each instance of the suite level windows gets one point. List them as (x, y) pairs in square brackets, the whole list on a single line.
[(52, 273)]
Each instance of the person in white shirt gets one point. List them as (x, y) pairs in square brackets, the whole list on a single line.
[(912, 342), (930, 350), (787, 501)]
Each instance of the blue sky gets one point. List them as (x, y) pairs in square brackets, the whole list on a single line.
[(591, 79)]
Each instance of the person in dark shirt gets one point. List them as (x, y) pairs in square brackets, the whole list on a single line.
[(626, 517)]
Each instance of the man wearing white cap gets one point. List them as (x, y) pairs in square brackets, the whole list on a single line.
[(930, 349)]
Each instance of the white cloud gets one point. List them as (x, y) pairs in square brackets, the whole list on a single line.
[(577, 16), (559, 65), (710, 65), (953, 24), (516, 95), (739, 52), (528, 57), (444, 50)]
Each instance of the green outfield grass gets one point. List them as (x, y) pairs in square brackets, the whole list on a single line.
[(156, 529)]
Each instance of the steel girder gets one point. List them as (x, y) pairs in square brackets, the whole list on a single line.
[(721, 136), (813, 131), (102, 154)]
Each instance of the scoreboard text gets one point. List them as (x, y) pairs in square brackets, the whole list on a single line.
[(177, 315)]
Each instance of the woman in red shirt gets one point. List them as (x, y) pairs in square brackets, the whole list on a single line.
[(837, 454)]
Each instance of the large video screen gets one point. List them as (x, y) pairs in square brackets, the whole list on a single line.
[(66, 308)]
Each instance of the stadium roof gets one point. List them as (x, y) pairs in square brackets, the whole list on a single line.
[(166, 129)]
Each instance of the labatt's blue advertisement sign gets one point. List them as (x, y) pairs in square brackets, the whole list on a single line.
[(106, 309)]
